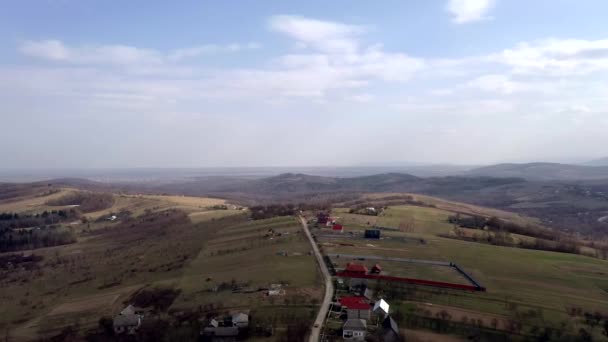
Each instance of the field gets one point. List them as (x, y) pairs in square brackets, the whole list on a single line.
[(517, 280), (204, 248)]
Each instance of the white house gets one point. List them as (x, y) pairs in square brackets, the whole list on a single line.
[(354, 329)]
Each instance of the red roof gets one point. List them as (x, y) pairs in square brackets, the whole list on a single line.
[(337, 227), (377, 267), (355, 303), (350, 267)]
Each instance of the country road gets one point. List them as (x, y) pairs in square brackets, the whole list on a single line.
[(329, 287)]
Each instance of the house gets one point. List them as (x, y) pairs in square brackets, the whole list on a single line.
[(381, 308), (240, 320), (372, 234), (126, 324), (354, 329), (220, 333), (390, 330), (356, 307), (355, 269), (322, 218), (337, 228), (376, 269)]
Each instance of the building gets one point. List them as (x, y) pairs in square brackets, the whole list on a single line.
[(128, 323), (381, 308), (372, 233), (355, 269), (322, 218), (376, 269), (356, 307), (337, 228), (354, 329), (240, 320), (227, 329), (390, 330), (220, 333)]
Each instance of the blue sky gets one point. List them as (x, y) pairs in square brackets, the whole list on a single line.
[(282, 83)]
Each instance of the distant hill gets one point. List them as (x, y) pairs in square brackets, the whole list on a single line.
[(542, 171), (597, 162)]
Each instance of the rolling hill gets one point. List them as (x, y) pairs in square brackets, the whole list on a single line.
[(542, 171)]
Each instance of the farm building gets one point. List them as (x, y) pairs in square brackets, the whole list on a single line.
[(372, 234), (354, 329), (376, 269), (337, 228), (381, 308), (356, 307), (127, 322), (355, 269)]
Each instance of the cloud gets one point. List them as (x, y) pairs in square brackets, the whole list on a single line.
[(466, 11), (198, 51), (57, 51), (326, 36), (556, 56)]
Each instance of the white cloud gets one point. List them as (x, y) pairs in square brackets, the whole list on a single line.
[(556, 56), (197, 51), (465, 11), (57, 51), (326, 36)]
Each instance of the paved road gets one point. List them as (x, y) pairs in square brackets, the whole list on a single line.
[(329, 287), (376, 257)]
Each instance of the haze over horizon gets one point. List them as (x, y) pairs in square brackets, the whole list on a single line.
[(280, 84)]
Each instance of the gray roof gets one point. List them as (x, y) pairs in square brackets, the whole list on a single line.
[(240, 317), (355, 324), (389, 324), (126, 320)]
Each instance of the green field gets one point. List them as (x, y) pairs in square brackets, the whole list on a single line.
[(166, 242), (530, 279)]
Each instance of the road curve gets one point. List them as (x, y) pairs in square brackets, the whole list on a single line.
[(329, 287)]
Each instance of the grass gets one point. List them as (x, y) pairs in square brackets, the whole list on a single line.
[(533, 279)]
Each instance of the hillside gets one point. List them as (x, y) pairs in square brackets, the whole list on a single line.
[(597, 162), (542, 171)]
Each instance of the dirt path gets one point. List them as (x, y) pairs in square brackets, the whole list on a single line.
[(329, 287)]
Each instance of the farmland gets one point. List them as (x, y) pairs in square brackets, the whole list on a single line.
[(204, 249), (518, 281)]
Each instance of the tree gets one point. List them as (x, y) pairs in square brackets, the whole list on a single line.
[(106, 324)]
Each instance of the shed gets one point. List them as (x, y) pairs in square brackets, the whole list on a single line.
[(381, 307)]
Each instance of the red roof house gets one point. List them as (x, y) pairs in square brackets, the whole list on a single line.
[(376, 269), (337, 227), (356, 307), (353, 268)]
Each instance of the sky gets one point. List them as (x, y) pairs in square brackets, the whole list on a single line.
[(106, 84)]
